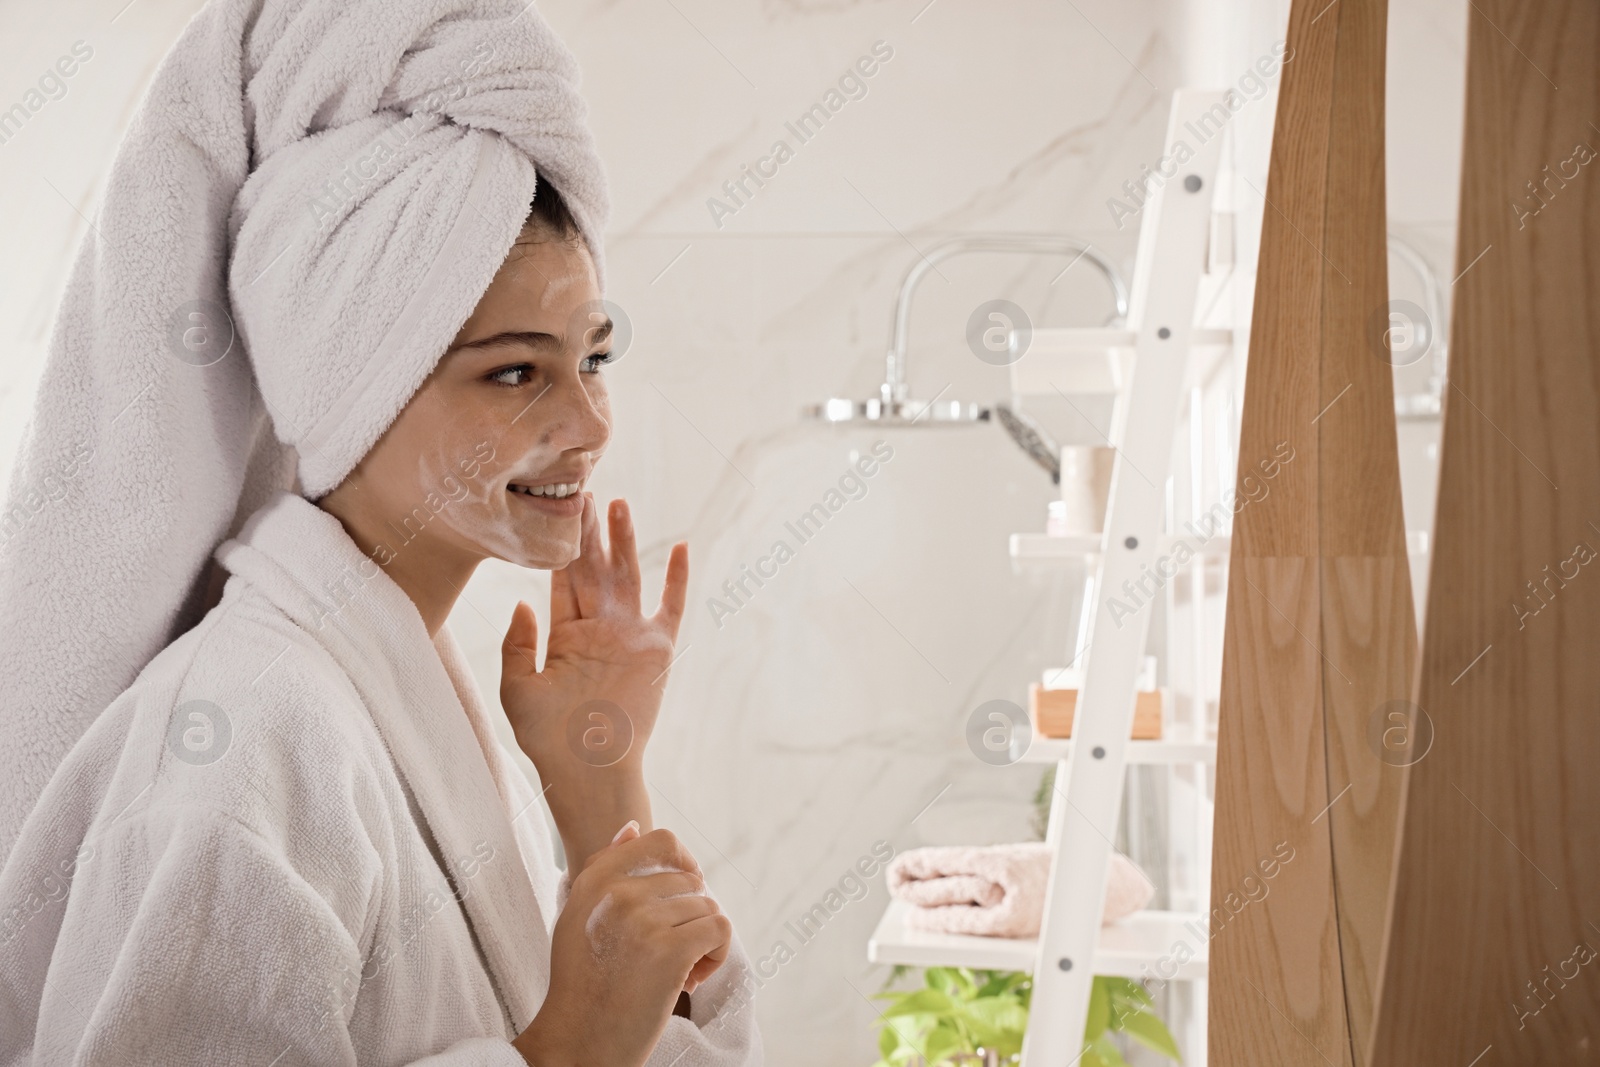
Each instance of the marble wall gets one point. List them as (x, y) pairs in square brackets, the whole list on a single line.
[(827, 712)]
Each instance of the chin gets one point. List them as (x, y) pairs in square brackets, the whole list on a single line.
[(540, 542), (546, 554)]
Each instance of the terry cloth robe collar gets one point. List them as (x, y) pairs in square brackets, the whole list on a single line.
[(442, 749)]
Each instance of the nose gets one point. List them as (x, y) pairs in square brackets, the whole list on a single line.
[(578, 418)]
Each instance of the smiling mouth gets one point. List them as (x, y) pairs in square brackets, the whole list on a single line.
[(552, 490), (556, 499)]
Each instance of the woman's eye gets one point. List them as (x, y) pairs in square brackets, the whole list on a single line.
[(513, 376), (593, 363)]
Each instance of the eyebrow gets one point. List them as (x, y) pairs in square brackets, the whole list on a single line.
[(534, 338), (531, 338)]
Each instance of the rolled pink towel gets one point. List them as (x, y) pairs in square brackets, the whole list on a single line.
[(997, 890)]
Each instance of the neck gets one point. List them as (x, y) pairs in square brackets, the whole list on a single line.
[(431, 573)]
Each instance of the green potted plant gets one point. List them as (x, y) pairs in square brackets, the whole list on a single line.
[(962, 1015)]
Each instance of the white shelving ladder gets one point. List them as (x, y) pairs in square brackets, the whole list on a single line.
[(1087, 801), (1147, 363)]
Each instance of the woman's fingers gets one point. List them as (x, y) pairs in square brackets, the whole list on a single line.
[(705, 968), (663, 849), (655, 878), (624, 554), (579, 585), (629, 831), (586, 571), (677, 911), (675, 591), (589, 547), (606, 574), (703, 939), (563, 597), (519, 651), (657, 854), (664, 885), (712, 958)]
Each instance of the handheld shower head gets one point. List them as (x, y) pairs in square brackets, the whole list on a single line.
[(1032, 439)]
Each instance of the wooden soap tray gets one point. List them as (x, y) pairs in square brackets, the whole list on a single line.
[(1052, 710)]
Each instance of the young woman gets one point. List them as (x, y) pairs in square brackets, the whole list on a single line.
[(294, 838)]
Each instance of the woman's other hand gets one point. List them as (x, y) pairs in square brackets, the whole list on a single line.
[(637, 929)]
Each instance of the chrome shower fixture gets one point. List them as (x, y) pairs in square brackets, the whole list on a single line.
[(1032, 439), (1426, 405), (894, 405), (906, 412)]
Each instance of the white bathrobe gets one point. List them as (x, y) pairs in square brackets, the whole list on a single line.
[(295, 840)]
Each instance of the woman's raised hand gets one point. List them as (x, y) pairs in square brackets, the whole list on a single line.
[(603, 650), (585, 718)]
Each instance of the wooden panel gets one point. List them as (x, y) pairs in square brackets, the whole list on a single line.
[(1319, 633), (1368, 621), (1274, 965), (1369, 631), (1491, 958)]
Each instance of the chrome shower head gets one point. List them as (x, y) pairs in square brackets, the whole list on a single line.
[(894, 406), (1032, 439), (902, 412)]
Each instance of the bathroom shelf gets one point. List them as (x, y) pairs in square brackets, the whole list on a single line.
[(1129, 948), (1051, 749), (1078, 360), (1063, 339), (1152, 367), (1046, 548)]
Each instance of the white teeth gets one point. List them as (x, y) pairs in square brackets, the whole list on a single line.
[(563, 489)]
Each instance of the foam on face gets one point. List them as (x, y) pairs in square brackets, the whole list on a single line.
[(478, 443), (465, 473)]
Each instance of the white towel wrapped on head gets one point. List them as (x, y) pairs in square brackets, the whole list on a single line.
[(997, 890)]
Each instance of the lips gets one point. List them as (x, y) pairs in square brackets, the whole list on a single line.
[(557, 490), (561, 496)]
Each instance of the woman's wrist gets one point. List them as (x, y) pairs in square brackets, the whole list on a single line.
[(591, 806), (545, 1043)]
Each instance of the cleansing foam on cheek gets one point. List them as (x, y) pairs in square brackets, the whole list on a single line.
[(474, 507)]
